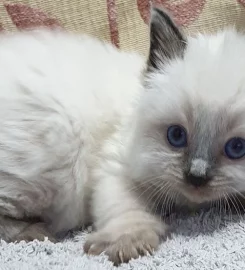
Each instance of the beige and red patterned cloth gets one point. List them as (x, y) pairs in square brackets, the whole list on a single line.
[(123, 22)]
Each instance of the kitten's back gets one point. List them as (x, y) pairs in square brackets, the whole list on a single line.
[(77, 70)]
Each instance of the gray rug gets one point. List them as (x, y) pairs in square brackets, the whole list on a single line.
[(203, 241)]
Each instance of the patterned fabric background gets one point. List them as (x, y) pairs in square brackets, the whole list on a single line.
[(123, 22)]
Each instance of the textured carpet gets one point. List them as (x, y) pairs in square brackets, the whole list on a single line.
[(203, 241)]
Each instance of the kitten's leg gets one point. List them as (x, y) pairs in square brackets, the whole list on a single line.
[(42, 162), (17, 230), (124, 229), (21, 201)]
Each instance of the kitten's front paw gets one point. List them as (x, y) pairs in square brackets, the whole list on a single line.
[(126, 246)]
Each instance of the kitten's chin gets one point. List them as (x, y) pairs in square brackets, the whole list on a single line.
[(198, 195)]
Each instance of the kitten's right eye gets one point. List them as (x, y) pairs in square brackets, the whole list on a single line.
[(177, 136), (235, 148)]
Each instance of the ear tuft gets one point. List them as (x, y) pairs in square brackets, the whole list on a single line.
[(166, 40)]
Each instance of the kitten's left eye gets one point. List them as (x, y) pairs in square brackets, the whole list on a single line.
[(177, 136), (235, 148)]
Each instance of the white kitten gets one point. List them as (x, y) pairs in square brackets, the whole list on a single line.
[(84, 139)]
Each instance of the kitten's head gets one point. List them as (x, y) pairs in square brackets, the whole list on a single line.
[(190, 127)]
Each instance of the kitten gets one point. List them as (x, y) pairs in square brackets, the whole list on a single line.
[(91, 134)]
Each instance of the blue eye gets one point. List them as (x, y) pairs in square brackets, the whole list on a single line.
[(235, 148), (177, 136)]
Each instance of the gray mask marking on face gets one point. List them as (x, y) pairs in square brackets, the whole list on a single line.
[(202, 143)]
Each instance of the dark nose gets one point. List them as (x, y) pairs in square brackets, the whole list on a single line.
[(196, 181)]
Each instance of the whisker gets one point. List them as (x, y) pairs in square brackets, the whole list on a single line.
[(235, 205), (165, 202), (155, 192), (240, 203), (151, 179), (174, 199), (159, 198), (237, 200), (162, 192), (220, 207), (145, 182), (238, 192), (228, 204), (145, 191)]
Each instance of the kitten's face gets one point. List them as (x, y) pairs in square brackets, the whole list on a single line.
[(190, 132)]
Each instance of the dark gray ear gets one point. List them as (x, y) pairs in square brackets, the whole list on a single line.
[(166, 40)]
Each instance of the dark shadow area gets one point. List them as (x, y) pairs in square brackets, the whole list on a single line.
[(206, 220)]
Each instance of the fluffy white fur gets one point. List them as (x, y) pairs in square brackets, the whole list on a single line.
[(83, 136), (59, 104)]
